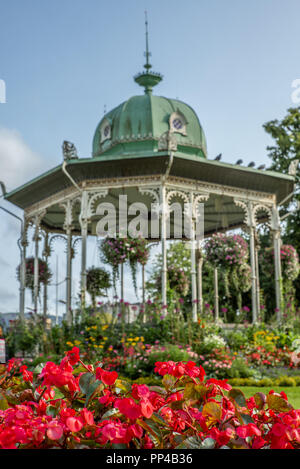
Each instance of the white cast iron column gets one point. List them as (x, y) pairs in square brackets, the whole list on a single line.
[(36, 239), (277, 262), (247, 206), (216, 291), (252, 262), (257, 246), (45, 255), (69, 276), (23, 245), (84, 231), (192, 222), (68, 226), (163, 245), (199, 274)]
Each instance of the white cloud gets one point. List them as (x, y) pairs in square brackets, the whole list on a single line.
[(18, 163)]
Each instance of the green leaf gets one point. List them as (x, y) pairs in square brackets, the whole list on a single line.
[(88, 385), (246, 419), (123, 385), (238, 396), (176, 404), (52, 411), (11, 398), (212, 411), (157, 389), (94, 387), (79, 369), (208, 443), (158, 419), (168, 381), (39, 368), (85, 381), (193, 442), (278, 403), (178, 439), (110, 413), (153, 431), (3, 403), (155, 428), (260, 400), (194, 391)]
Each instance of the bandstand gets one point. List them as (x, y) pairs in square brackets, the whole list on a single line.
[(152, 150)]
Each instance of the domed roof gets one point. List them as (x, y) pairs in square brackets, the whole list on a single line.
[(146, 124), (137, 125)]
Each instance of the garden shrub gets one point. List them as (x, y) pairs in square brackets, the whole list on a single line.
[(242, 381), (239, 369), (167, 353), (211, 342), (265, 382), (23, 338), (297, 380), (285, 381), (149, 380), (236, 339)]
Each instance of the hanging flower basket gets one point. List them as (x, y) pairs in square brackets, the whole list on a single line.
[(230, 254), (44, 275), (225, 251), (290, 266), (117, 251)]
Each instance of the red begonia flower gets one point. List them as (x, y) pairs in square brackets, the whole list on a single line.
[(107, 377), (74, 424), (129, 408)]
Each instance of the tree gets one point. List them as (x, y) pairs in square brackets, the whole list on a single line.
[(286, 148), (98, 282), (178, 275)]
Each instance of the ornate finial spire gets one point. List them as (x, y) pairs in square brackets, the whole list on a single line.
[(147, 65), (147, 79)]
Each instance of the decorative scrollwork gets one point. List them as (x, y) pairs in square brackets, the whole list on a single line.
[(36, 222), (198, 199), (92, 203), (177, 193), (185, 196), (244, 206), (260, 207), (68, 207), (152, 192), (55, 238)]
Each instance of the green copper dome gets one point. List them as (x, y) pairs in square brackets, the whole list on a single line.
[(146, 124), (137, 126)]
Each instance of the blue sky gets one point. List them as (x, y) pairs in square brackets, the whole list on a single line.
[(63, 61)]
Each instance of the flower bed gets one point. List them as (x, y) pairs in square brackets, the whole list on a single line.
[(74, 405)]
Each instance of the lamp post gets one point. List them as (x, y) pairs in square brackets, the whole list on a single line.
[(22, 255)]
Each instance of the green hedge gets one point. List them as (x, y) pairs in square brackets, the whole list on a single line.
[(265, 382)]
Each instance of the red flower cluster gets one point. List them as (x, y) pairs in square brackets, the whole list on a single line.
[(179, 369), (99, 410), (59, 376), (278, 357)]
